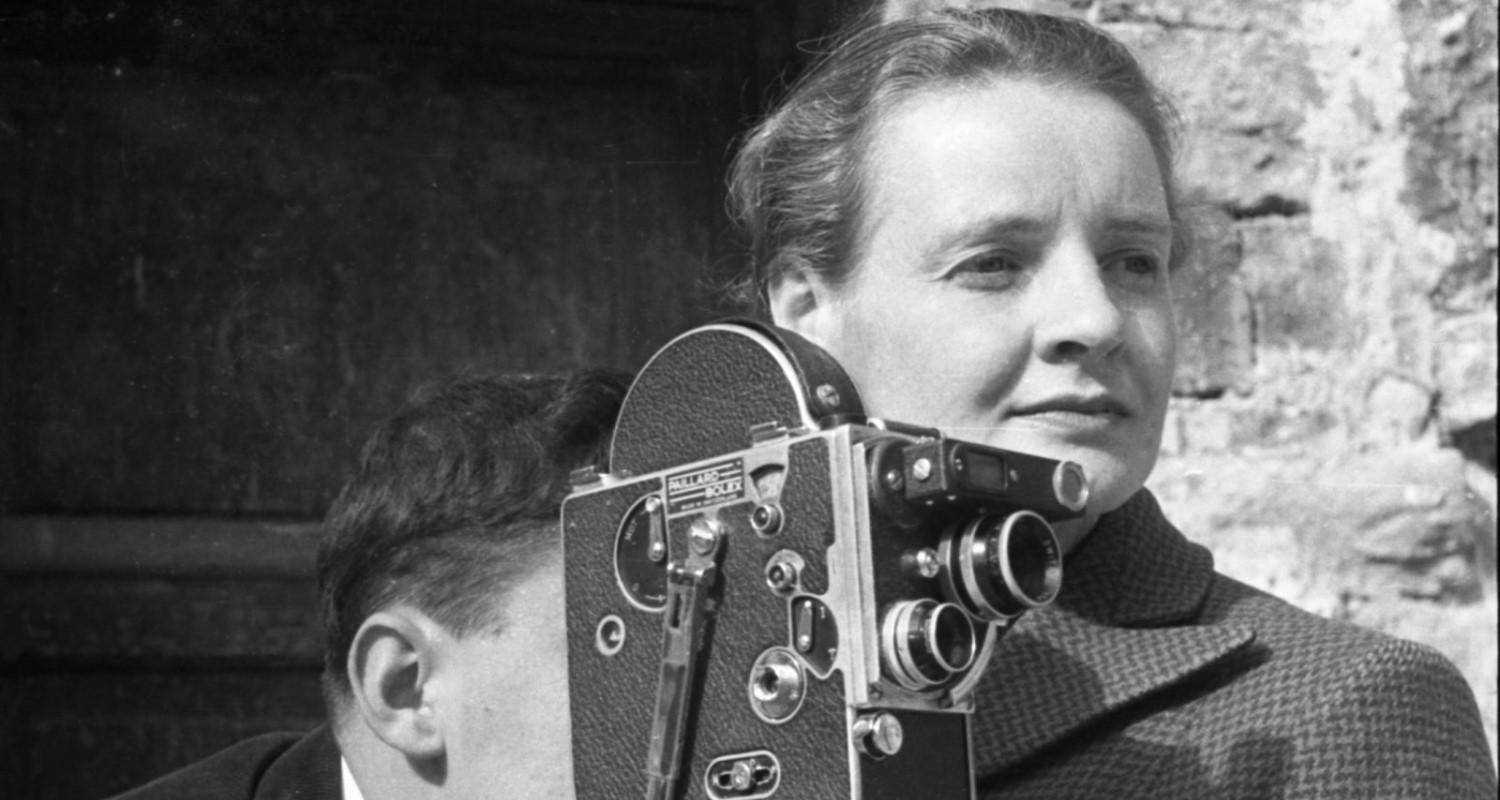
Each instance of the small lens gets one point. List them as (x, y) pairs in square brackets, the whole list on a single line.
[(950, 637), (1032, 569), (999, 566), (926, 643)]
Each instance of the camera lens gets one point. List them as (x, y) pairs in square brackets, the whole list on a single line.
[(926, 642), (948, 636), (998, 566)]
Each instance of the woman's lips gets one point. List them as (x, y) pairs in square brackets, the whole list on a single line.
[(1071, 414)]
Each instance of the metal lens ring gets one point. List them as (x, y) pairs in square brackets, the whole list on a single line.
[(925, 643), (1005, 565)]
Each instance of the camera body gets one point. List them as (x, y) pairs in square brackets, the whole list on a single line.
[(771, 595)]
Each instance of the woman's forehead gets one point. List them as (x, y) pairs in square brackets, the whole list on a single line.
[(1012, 154)]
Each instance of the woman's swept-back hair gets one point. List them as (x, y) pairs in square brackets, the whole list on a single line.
[(454, 497), (796, 187)]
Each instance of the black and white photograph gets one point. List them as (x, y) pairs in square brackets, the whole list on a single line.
[(748, 399)]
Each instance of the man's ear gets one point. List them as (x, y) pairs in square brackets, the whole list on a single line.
[(391, 662), (802, 301)]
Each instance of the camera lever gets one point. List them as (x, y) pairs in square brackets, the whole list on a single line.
[(689, 583)]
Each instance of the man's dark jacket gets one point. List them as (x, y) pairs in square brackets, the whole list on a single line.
[(276, 766), (1151, 677)]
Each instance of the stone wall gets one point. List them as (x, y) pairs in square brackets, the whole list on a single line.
[(1333, 437)]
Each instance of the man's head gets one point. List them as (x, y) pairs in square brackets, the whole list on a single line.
[(441, 586)]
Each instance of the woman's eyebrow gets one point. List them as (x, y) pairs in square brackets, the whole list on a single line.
[(1025, 227), (1148, 224), (998, 226)]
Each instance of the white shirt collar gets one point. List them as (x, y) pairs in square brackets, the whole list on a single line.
[(351, 789)]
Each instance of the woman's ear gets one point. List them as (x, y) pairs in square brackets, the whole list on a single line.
[(802, 301), (391, 662)]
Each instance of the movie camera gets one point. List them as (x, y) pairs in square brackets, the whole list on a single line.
[(770, 594)]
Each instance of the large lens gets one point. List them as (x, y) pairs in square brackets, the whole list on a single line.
[(925, 642), (998, 566)]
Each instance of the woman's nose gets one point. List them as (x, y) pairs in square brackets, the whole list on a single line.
[(1076, 315)]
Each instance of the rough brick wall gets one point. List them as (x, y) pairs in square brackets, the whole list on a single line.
[(1333, 435)]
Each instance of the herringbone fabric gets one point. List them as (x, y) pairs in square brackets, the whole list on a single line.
[(1153, 676)]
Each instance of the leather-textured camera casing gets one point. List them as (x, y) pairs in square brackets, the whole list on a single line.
[(758, 435)]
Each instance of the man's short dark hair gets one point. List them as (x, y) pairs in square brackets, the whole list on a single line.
[(453, 496)]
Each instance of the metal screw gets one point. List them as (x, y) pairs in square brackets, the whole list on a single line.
[(781, 576), (609, 635), (827, 395), (741, 775), (766, 519), (703, 536), (879, 735), (927, 563), (922, 469)]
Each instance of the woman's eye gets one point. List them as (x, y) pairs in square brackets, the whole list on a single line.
[(1135, 269), (989, 271), (991, 262)]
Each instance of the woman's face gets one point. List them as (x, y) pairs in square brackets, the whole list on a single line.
[(1010, 282)]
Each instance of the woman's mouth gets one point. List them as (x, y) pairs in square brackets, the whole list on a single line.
[(1071, 414)]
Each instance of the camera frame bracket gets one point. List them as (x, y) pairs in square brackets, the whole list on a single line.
[(689, 584)]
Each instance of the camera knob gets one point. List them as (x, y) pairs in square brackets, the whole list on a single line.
[(783, 570), (766, 519), (777, 685), (878, 735)]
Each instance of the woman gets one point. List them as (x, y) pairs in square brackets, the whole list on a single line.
[(975, 214)]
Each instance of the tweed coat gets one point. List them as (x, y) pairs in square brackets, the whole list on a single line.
[(1154, 676), (273, 766)]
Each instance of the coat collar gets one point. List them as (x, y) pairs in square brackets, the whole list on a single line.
[(308, 770), (1121, 628)]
